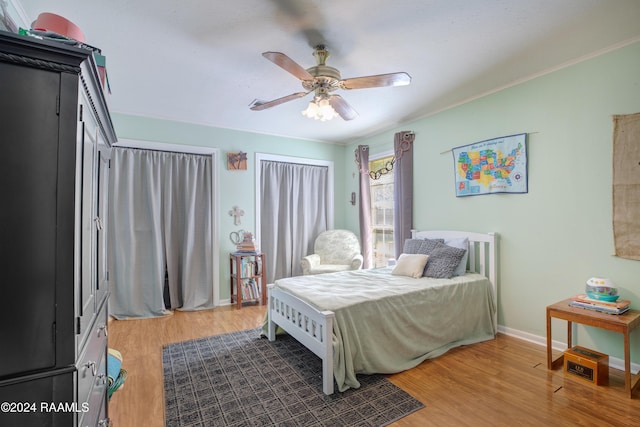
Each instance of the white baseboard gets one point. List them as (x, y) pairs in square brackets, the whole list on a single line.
[(614, 362)]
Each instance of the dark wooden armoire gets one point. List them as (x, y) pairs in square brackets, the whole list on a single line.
[(55, 141)]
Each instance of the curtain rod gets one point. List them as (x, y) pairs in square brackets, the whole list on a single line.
[(160, 151), (293, 163)]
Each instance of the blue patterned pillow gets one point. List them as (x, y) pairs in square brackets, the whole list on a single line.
[(443, 261), (415, 246), (429, 245)]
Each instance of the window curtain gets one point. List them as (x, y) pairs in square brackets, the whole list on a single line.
[(362, 159), (403, 188), (161, 225), (293, 211), (626, 185)]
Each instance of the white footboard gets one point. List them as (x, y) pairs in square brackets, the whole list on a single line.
[(312, 328)]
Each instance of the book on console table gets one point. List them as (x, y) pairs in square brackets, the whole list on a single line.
[(611, 307), (246, 252)]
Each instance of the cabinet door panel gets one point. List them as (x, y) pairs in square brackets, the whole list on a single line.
[(28, 174), (47, 392), (102, 199), (86, 300)]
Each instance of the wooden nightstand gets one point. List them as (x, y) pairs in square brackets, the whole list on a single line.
[(621, 323)]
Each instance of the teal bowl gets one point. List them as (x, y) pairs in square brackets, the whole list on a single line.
[(602, 297)]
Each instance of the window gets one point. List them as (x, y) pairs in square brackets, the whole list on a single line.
[(382, 210)]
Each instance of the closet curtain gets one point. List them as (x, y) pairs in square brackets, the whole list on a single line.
[(293, 211), (160, 224), (403, 188)]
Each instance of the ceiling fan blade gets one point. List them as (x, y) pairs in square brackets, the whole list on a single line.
[(341, 106), (288, 64), (392, 79), (259, 105)]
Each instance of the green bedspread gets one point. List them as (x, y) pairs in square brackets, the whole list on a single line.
[(386, 323)]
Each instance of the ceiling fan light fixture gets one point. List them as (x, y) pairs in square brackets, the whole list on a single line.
[(311, 111), (323, 80), (320, 109)]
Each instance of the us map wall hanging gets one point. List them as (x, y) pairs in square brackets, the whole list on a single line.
[(496, 165)]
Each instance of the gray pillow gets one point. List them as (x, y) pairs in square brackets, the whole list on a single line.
[(411, 246), (443, 261), (428, 245), (415, 246)]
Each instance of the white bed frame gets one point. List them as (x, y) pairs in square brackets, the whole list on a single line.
[(314, 329)]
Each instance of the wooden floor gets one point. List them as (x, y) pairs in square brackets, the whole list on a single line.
[(503, 382)]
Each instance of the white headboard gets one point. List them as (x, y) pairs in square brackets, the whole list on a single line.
[(483, 251)]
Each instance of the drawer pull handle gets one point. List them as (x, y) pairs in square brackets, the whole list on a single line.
[(102, 379), (103, 327), (92, 365)]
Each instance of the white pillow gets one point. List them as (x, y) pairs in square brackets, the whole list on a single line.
[(462, 243), (411, 265)]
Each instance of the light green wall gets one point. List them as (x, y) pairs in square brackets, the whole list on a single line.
[(559, 234), (237, 188), (551, 240)]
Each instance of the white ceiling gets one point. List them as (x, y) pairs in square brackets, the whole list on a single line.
[(200, 61)]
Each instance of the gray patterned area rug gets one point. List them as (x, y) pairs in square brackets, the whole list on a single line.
[(240, 379)]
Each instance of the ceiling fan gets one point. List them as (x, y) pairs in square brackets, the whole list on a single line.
[(323, 80)]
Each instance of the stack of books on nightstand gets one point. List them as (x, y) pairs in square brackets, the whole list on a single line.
[(613, 307), (248, 245)]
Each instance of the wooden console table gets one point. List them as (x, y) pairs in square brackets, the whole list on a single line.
[(621, 323)]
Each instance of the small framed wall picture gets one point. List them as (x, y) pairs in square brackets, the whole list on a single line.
[(237, 161)]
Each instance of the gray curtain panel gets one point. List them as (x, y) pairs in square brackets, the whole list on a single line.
[(403, 188), (362, 158), (293, 211), (160, 221)]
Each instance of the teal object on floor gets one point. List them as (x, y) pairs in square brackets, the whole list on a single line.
[(117, 383), (114, 363)]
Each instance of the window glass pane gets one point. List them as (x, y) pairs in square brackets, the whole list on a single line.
[(382, 211)]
